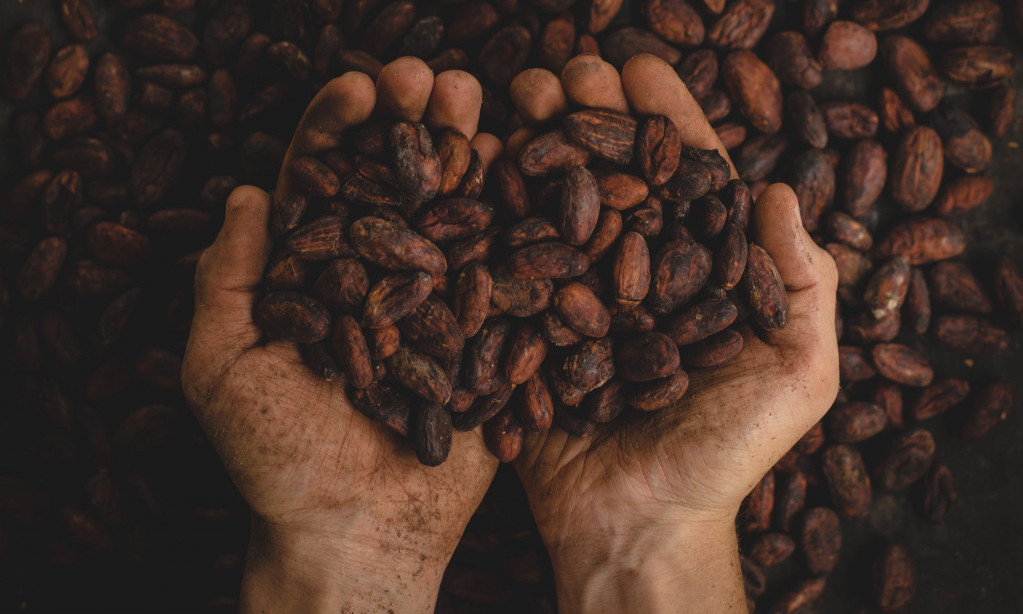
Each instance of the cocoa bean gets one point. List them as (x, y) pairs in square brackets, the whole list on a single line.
[(855, 422), (156, 37), (993, 405), (550, 153), (321, 239), (472, 298), (803, 594), (582, 310), (385, 403), (758, 156), (659, 394), (290, 316), (352, 352), (895, 117), (887, 289), (820, 539), (939, 397), (970, 334), (432, 328), (741, 25), (939, 493), (847, 46), (849, 120), (41, 268), (698, 71), (386, 244), (679, 270), (813, 180), (645, 357), (420, 374), (550, 260), (674, 21), (846, 229), (888, 14), (28, 52), (454, 153), (893, 578), (1009, 287), (963, 194), (922, 240), (620, 191), (911, 69), (1001, 110), (807, 119), (917, 169), (963, 23), (521, 297), (621, 44), (605, 133), (503, 436), (764, 290), (453, 219), (67, 71), (847, 479), (432, 434), (394, 297), (485, 408), (771, 548), (417, 165), (789, 499), (755, 89), (953, 285), (789, 56), (907, 460), (979, 66), (964, 145), (756, 511)]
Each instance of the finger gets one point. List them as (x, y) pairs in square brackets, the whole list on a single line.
[(538, 96), (228, 274), (518, 140), (807, 270), (455, 103), (591, 82), (654, 88), (488, 147), (403, 89), (342, 103)]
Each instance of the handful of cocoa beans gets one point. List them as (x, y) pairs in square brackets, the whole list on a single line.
[(584, 279)]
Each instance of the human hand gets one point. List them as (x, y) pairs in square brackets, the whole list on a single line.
[(640, 517), (344, 515)]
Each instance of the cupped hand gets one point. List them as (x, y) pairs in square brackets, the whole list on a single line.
[(651, 499), (343, 512)]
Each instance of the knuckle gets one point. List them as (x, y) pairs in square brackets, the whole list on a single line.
[(244, 196)]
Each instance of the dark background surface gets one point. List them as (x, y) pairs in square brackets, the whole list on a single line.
[(971, 562)]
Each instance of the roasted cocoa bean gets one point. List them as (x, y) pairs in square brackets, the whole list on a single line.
[(907, 460), (847, 479), (893, 578), (819, 535)]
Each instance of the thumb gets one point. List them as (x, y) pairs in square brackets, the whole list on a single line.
[(229, 273), (808, 272)]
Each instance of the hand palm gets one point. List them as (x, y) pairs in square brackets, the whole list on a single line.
[(299, 452), (699, 459)]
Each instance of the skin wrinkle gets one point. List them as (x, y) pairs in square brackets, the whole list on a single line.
[(674, 458), (741, 404)]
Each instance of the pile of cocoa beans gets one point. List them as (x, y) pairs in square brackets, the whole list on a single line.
[(129, 121), (539, 303)]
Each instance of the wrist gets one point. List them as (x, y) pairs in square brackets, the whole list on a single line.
[(650, 567), (309, 571)]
